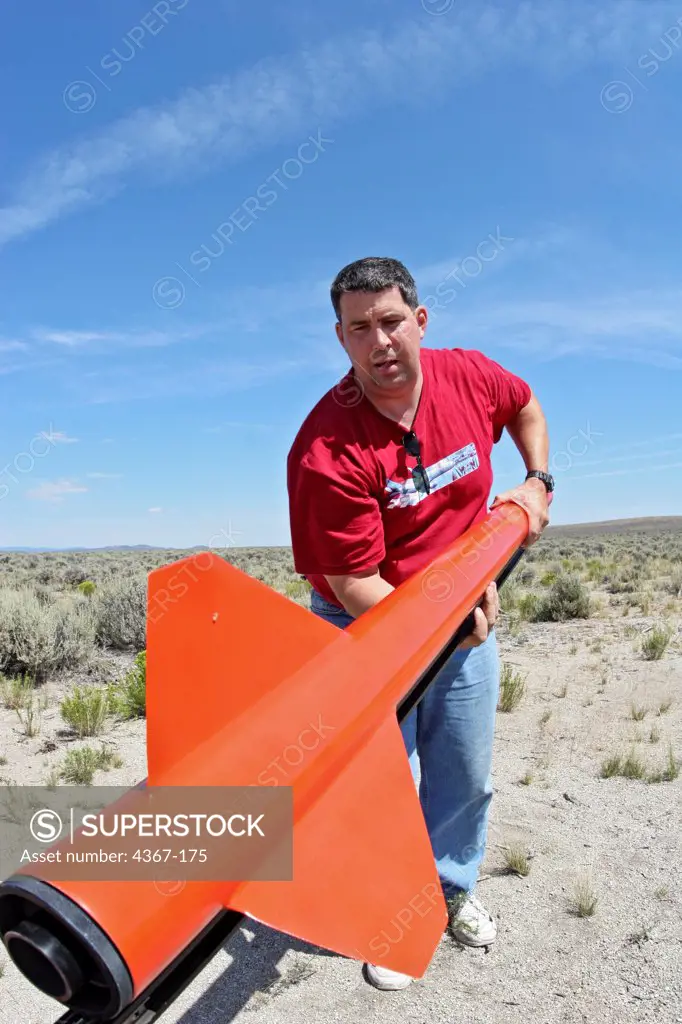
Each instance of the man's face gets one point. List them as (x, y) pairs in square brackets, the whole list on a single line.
[(382, 336)]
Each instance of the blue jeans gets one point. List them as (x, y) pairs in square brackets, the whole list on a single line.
[(449, 741)]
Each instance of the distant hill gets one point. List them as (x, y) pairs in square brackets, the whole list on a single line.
[(113, 547), (649, 524)]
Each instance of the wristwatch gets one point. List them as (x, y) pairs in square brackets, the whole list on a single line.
[(547, 478)]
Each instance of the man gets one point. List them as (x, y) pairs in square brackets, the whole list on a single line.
[(389, 468)]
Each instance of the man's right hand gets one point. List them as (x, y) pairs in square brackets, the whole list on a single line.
[(485, 617)]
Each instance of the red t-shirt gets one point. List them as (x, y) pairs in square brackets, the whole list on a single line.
[(352, 501)]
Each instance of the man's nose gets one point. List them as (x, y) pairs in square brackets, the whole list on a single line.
[(382, 340)]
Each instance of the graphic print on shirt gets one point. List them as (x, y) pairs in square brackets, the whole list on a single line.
[(440, 474)]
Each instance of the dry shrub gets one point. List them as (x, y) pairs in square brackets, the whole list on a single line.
[(121, 613), (41, 639), (567, 599)]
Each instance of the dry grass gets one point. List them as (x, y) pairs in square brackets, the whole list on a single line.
[(654, 643), (512, 689), (584, 900), (670, 770), (17, 691), (629, 766), (633, 766), (611, 766), (516, 859), (31, 717), (79, 766)]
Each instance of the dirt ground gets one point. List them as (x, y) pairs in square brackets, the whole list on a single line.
[(620, 836)]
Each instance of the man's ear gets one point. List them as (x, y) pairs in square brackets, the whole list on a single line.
[(339, 333), (421, 314)]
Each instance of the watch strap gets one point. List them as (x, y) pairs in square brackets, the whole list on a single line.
[(546, 478)]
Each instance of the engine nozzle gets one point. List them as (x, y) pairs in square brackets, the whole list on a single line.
[(60, 949)]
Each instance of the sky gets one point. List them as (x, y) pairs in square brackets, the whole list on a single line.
[(181, 181)]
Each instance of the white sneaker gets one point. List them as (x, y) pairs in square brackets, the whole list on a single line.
[(471, 923), (387, 981)]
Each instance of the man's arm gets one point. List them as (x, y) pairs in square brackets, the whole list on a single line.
[(360, 592), (528, 431)]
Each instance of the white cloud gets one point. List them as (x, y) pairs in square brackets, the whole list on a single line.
[(629, 472), (204, 377), (243, 425), (607, 327), (31, 366), (282, 100), (498, 248), (59, 437), (632, 457), (69, 337), (77, 339), (55, 491), (155, 509), (645, 443)]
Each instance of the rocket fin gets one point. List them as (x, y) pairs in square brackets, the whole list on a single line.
[(365, 882), (218, 642)]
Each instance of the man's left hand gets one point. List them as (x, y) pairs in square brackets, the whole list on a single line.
[(532, 496), (485, 617)]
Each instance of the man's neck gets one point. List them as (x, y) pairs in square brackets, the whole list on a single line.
[(403, 407)]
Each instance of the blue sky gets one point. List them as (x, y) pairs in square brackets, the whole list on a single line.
[(170, 379)]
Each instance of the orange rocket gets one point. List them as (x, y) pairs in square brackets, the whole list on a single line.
[(246, 688)]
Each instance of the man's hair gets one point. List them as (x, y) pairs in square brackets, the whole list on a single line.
[(374, 274)]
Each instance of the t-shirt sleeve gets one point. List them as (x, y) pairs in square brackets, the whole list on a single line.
[(507, 393), (336, 525)]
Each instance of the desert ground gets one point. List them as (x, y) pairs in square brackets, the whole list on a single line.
[(583, 864)]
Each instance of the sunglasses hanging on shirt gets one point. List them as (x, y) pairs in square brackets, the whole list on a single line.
[(419, 475)]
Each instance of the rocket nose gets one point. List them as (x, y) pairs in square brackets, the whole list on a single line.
[(44, 960)]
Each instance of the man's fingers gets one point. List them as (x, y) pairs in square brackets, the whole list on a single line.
[(490, 606), (485, 617), (480, 630)]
